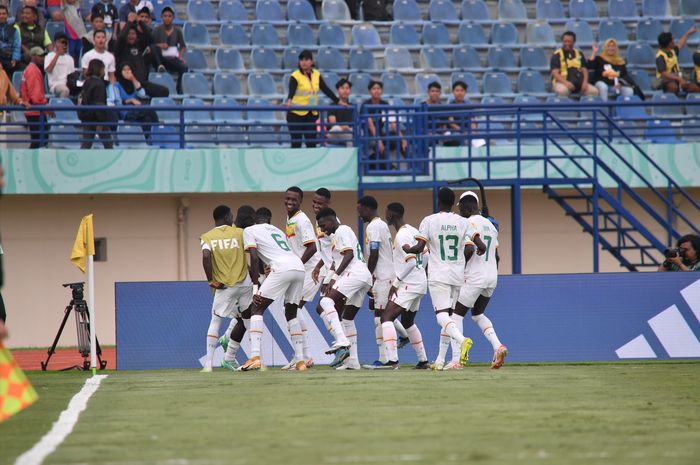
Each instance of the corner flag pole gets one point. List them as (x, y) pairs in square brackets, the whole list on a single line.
[(91, 309)]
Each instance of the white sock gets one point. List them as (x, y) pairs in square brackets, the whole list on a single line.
[(379, 334), (212, 339), (456, 349), (351, 333), (331, 315), (297, 338), (445, 340), (400, 330), (232, 350), (389, 336), (256, 333), (416, 339), (486, 327), (449, 327), (302, 316), (231, 324)]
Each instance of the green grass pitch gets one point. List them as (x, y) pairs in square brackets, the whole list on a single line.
[(617, 413)]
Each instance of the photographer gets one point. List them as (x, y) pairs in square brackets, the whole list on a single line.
[(685, 257)]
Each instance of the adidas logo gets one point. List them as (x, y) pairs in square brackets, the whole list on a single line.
[(672, 330)]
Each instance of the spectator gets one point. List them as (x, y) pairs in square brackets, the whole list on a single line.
[(31, 34), (8, 94), (304, 84), (460, 123), (145, 26), (686, 257), (668, 72), (58, 65), (373, 10), (109, 14), (98, 24), (437, 125), (128, 13), (95, 93), (32, 93), (569, 73), (609, 71), (40, 16), (132, 46), (100, 52), (169, 46), (54, 10), (340, 121), (75, 28), (377, 125), (131, 92), (10, 44)]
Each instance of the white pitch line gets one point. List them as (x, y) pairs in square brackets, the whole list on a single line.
[(63, 427)]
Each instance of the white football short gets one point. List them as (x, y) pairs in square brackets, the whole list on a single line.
[(232, 301), (310, 287), (288, 283), (468, 294), (443, 295), (408, 296), (380, 292), (353, 289)]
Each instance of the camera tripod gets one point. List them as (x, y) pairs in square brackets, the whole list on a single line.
[(82, 323)]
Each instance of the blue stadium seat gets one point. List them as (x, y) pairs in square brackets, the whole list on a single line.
[(231, 135), (165, 136), (233, 34), (398, 58), (195, 116), (300, 10), (435, 34), (534, 58), (64, 136), (512, 10), (231, 11), (422, 81), (551, 10), (583, 31), (226, 84), (365, 35), (196, 34), (690, 130), (562, 114), (660, 131), (504, 34), (531, 83), (264, 35), (230, 59), (407, 10), (629, 113), (268, 10), (260, 116), (528, 100), (225, 116), (131, 136), (583, 9), (290, 57), (361, 59), (641, 78), (667, 111), (158, 6), (166, 116), (680, 26), (359, 81), (435, 59), (685, 57), (475, 10), (641, 55), (501, 58), (200, 130), (201, 11), (494, 123), (656, 8), (328, 77), (693, 110), (468, 79), (689, 8), (442, 10), (52, 27), (163, 79), (466, 57), (403, 34), (471, 34), (622, 9), (331, 35), (301, 34), (263, 59), (394, 84), (195, 60), (612, 29), (335, 10), (648, 30), (195, 84), (540, 33), (64, 116), (329, 58), (497, 83), (261, 84)]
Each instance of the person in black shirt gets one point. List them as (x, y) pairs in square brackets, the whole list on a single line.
[(668, 71), (609, 71), (340, 121), (377, 126), (569, 73), (95, 93), (132, 46)]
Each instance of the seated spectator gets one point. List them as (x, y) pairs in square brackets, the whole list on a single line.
[(131, 48), (609, 71), (10, 44), (58, 65), (54, 10), (145, 26), (109, 14), (569, 73), (437, 125), (98, 24), (95, 93), (100, 53), (372, 10), (32, 34), (75, 28), (340, 121), (8, 94), (131, 92), (459, 124), (380, 125), (32, 93), (169, 46), (128, 13), (668, 71), (40, 16)]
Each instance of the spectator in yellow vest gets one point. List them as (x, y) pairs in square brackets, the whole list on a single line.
[(669, 77), (569, 73)]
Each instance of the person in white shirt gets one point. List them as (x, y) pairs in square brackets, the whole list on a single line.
[(348, 287), (100, 53), (446, 235), (378, 250), (286, 279), (408, 288), (59, 64)]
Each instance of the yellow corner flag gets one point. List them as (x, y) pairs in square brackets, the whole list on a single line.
[(16, 393), (84, 243)]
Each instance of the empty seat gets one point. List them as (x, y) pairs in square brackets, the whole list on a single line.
[(612, 29), (689, 8), (194, 116), (365, 35), (225, 115), (52, 27), (442, 10), (163, 79), (196, 34), (562, 114), (528, 100), (540, 33), (226, 84), (641, 55), (201, 11), (233, 34), (259, 116), (406, 10), (361, 59), (263, 58), (64, 116), (550, 10), (268, 10), (394, 84), (656, 8), (685, 57), (641, 78), (328, 77), (166, 116), (497, 83), (264, 34), (131, 136), (398, 58), (331, 35), (290, 57), (359, 81), (504, 34), (261, 84), (534, 58), (165, 136), (335, 10), (513, 10), (231, 10), (582, 9), (436, 34), (629, 112), (693, 110), (501, 58), (660, 131), (648, 30), (300, 10), (531, 82), (466, 57), (434, 58), (583, 31), (329, 58), (674, 110), (300, 34), (195, 84), (403, 34), (230, 59), (195, 60), (471, 34), (422, 81), (61, 135), (475, 10), (680, 26), (622, 9), (468, 79)]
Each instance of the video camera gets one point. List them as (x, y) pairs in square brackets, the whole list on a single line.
[(671, 252), (77, 289)]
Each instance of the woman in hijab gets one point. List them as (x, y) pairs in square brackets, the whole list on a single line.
[(131, 92), (610, 71)]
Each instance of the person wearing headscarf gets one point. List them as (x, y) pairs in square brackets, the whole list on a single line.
[(609, 71), (131, 92)]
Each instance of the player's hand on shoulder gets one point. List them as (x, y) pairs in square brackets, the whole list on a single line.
[(406, 248)]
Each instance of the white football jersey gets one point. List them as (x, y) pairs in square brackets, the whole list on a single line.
[(481, 269), (325, 248), (407, 235), (446, 234), (378, 235), (300, 232), (272, 247), (344, 239)]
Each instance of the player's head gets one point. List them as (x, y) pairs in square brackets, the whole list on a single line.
[(292, 199), (367, 208), (263, 215), (446, 199), (245, 216), (222, 215), (394, 214), (322, 199), (468, 204), (327, 220)]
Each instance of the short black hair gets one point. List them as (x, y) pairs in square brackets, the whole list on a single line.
[(665, 39), (33, 8), (99, 31), (167, 8), (341, 82), (96, 15), (326, 211), (297, 190), (144, 10), (446, 196), (396, 207), (3, 7), (60, 35), (306, 55), (694, 240), (461, 84), (263, 214), (435, 85), (469, 201), (373, 83), (221, 212), (572, 34), (368, 201), (323, 192), (245, 216)]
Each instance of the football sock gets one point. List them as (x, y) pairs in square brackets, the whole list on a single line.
[(331, 315), (212, 339), (445, 340), (351, 333), (232, 350), (400, 330), (456, 349), (297, 338), (303, 318), (416, 339), (389, 337), (231, 324), (378, 333), (486, 327), (448, 326), (256, 333)]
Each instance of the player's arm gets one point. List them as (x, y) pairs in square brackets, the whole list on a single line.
[(373, 257), (469, 251), (498, 258), (348, 255), (254, 265), (309, 252), (480, 246), (418, 247), (209, 268), (317, 270)]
